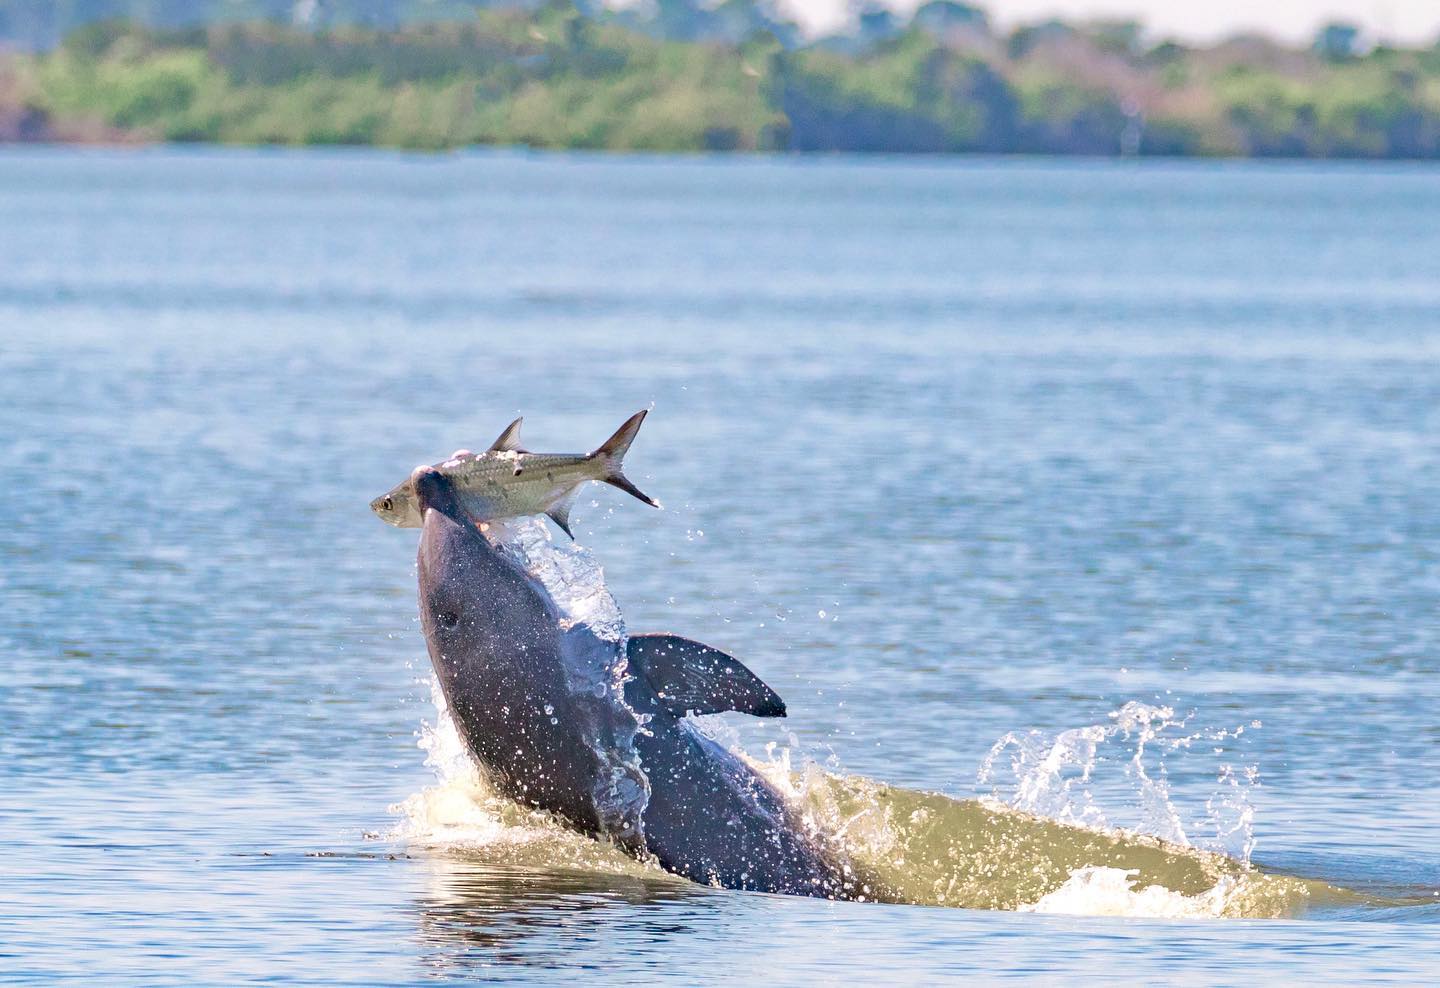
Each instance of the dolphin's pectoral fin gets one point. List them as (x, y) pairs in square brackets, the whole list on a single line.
[(691, 678)]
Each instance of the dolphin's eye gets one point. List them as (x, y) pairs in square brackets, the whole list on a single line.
[(449, 620), (387, 505)]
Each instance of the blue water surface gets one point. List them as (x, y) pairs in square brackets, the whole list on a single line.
[(949, 449)]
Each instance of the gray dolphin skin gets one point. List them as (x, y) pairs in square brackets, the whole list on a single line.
[(558, 721)]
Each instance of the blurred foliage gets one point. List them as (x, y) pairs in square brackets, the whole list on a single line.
[(554, 77), (551, 79)]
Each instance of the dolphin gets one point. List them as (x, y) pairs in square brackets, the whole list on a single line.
[(594, 730)]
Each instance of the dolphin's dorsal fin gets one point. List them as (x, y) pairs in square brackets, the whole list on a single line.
[(691, 678), (509, 440)]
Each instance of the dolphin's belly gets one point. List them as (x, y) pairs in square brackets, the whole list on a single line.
[(714, 820), (496, 647), (529, 761)]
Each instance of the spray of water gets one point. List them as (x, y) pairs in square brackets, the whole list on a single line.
[(461, 813), (1080, 821), (1116, 776)]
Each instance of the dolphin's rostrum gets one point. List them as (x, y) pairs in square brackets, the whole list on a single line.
[(560, 719)]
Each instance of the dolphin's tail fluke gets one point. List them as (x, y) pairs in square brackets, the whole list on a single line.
[(612, 453)]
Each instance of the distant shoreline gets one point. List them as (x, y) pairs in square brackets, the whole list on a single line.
[(620, 156), (553, 79), (132, 143)]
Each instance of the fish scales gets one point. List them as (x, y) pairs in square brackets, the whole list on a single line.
[(506, 481)]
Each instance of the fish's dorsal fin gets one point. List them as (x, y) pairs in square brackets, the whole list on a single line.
[(691, 678), (560, 512), (509, 441)]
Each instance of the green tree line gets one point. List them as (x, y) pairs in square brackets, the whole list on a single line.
[(555, 77)]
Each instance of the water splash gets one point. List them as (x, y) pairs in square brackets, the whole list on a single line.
[(595, 668), (568, 571), (459, 809), (907, 846), (460, 812), (1081, 821), (931, 849), (1116, 776), (1084, 821), (1112, 892)]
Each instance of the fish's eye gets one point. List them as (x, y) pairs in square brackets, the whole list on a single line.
[(387, 505)]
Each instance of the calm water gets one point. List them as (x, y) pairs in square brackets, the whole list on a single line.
[(949, 451)]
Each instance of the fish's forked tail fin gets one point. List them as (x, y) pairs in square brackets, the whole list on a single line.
[(612, 453)]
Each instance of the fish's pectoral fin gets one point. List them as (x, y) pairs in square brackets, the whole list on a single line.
[(691, 678), (560, 512), (509, 440)]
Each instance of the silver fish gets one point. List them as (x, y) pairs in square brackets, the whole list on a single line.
[(506, 481)]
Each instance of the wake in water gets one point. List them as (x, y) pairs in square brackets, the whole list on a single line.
[(931, 849), (1049, 836)]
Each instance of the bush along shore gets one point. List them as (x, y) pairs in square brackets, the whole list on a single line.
[(556, 78)]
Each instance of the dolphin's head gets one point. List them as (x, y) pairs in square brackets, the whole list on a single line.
[(429, 488), (399, 506), (449, 563)]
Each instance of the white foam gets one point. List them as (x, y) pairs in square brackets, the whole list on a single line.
[(461, 813), (1104, 891), (459, 809)]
